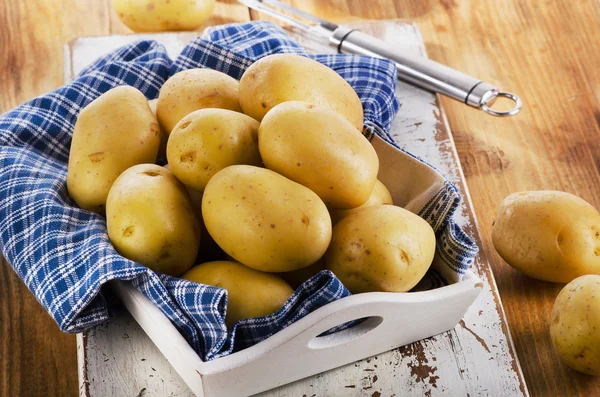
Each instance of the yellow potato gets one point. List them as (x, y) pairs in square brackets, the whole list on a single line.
[(150, 219), (575, 328), (381, 248), (548, 235), (112, 133), (163, 15), (297, 277), (286, 77), (195, 89), (379, 196), (264, 220), (161, 157), (316, 147), (208, 140), (250, 293)]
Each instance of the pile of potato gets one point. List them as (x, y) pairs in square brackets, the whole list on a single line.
[(257, 170)]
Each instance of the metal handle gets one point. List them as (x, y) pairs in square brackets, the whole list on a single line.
[(426, 73)]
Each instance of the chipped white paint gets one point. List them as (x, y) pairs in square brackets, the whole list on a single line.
[(476, 358)]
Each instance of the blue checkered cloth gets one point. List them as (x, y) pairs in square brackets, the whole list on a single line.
[(63, 254)]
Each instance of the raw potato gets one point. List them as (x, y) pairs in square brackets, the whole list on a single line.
[(297, 277), (150, 219), (318, 148), (112, 133), (548, 235), (575, 328), (264, 220), (161, 157), (208, 140), (250, 293), (382, 248), (195, 89), (286, 77), (379, 196), (163, 15)]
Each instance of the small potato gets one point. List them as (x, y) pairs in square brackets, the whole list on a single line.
[(250, 293), (318, 148), (548, 235), (379, 196), (163, 15), (208, 140), (575, 328), (161, 157), (381, 248), (286, 77), (150, 219), (112, 133), (297, 277), (195, 89), (264, 220)]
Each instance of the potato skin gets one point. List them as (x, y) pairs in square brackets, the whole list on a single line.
[(287, 77), (114, 132), (150, 219), (380, 196), (318, 148), (163, 15), (264, 220), (195, 89), (250, 293), (381, 248), (208, 140), (576, 323), (548, 235), (297, 277)]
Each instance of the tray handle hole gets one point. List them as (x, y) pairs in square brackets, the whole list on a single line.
[(331, 338)]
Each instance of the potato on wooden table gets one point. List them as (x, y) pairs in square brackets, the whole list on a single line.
[(287, 77), (150, 219), (381, 248), (319, 149), (548, 235), (195, 89), (264, 220), (114, 132), (250, 293), (163, 15)]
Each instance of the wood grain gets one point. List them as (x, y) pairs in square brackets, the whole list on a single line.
[(547, 51)]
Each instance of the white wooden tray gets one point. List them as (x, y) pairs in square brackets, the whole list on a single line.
[(476, 357)]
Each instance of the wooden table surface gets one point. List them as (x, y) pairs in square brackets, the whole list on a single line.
[(546, 51)]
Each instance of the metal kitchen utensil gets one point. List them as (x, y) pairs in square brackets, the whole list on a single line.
[(416, 70)]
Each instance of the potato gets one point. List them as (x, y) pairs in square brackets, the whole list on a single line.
[(163, 15), (548, 235), (379, 196), (208, 140), (297, 277), (250, 293), (195, 89), (161, 157), (286, 77), (381, 248), (264, 220), (150, 219), (112, 133), (575, 327), (318, 148)]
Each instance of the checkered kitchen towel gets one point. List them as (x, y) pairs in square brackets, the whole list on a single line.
[(63, 254)]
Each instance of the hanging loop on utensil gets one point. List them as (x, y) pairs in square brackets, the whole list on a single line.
[(485, 106)]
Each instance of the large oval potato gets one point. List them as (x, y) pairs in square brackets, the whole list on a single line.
[(112, 133), (163, 15), (250, 293), (150, 219), (548, 235), (208, 140), (264, 220), (287, 77), (380, 196), (318, 148), (575, 327), (195, 89), (381, 248)]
